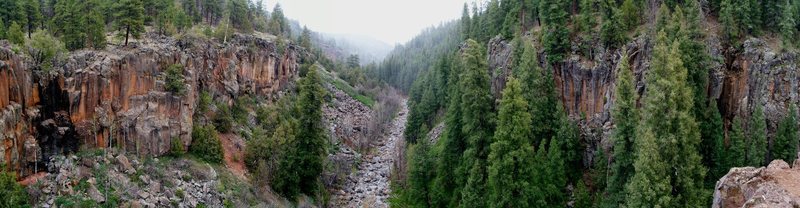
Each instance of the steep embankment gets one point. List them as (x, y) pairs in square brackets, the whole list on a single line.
[(117, 96), (776, 185)]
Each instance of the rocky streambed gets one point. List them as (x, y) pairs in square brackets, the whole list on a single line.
[(369, 185)]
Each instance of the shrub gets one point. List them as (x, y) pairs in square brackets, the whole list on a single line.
[(223, 119), (204, 102), (45, 49), (177, 148), (206, 144), (173, 79), (11, 193), (15, 34)]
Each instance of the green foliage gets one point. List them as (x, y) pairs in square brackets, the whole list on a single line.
[(630, 15), (278, 24), (626, 118), (450, 172), (174, 81), (556, 35), (32, 15), (784, 146), (730, 26), (69, 23), (714, 144), (420, 174), (511, 156), (668, 120), (205, 144), (736, 156), (13, 194), (301, 166), (45, 50), (789, 24), (649, 186), (611, 34), (129, 15), (176, 147), (15, 34), (757, 153), (305, 39), (2, 30), (204, 101), (240, 15), (478, 122), (583, 198), (223, 118)]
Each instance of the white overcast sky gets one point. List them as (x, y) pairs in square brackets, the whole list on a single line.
[(391, 21)]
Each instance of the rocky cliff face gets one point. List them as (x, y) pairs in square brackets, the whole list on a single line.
[(737, 80), (117, 96), (773, 186)]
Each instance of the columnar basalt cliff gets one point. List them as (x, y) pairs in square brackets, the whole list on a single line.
[(758, 73), (116, 97)]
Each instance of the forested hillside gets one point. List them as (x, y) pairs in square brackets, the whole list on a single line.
[(604, 103)]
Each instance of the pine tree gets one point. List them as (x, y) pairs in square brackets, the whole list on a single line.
[(649, 186), (278, 24), (784, 145), (70, 24), (478, 122), (10, 11), (32, 14), (465, 22), (626, 119), (299, 171), (130, 18), (511, 155), (556, 35), (736, 156), (450, 171), (569, 136), (587, 20), (546, 108), (610, 32), (757, 155), (239, 15), (95, 25), (630, 15), (420, 174), (730, 29), (2, 30), (305, 38), (714, 138), (789, 24), (668, 117), (15, 34), (554, 173)]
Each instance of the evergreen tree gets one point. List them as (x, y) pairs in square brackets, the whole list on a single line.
[(450, 173), (788, 24), (784, 146), (95, 25), (240, 15), (465, 22), (630, 15), (668, 117), (2, 30), (70, 24), (299, 171), (569, 137), (130, 18), (610, 32), (213, 10), (757, 155), (556, 34), (736, 156), (626, 118), (15, 34), (420, 174), (10, 11), (546, 108), (730, 29), (714, 137), (32, 14), (554, 175), (278, 24), (478, 122), (305, 38), (511, 155), (587, 20), (649, 186)]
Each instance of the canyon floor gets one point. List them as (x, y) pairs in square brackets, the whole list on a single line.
[(369, 185)]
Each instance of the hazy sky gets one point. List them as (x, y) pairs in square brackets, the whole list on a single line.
[(391, 21)]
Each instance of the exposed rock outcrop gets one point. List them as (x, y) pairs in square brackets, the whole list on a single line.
[(737, 80), (117, 96), (776, 185)]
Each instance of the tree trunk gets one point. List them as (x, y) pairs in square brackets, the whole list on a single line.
[(127, 33)]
